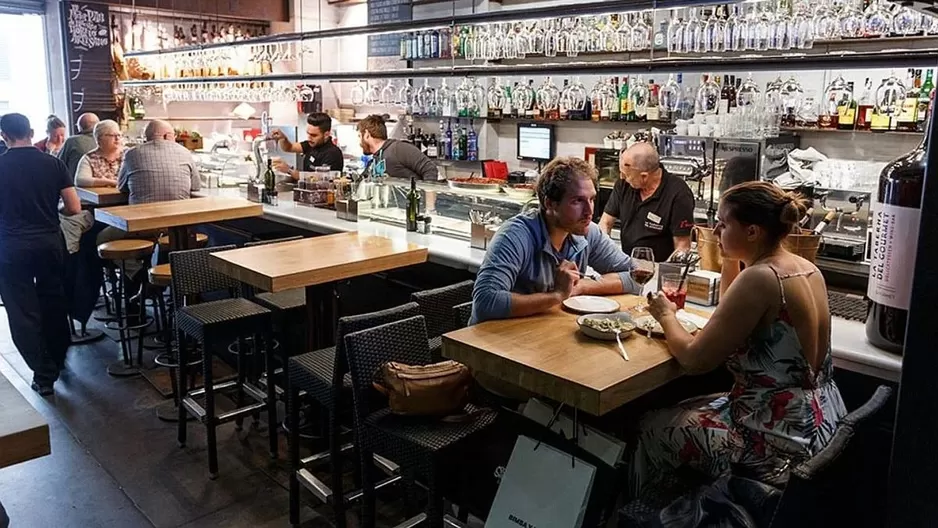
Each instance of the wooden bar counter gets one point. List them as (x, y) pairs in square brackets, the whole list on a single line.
[(24, 433)]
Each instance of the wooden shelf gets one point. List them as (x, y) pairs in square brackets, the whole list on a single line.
[(218, 118)]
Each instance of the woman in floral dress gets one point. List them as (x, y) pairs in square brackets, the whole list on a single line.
[(772, 330)]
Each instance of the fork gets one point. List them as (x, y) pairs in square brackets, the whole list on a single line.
[(625, 356)]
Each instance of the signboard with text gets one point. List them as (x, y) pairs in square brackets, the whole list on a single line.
[(88, 60), (381, 11)]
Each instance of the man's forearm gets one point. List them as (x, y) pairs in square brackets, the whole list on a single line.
[(608, 284), (533, 303)]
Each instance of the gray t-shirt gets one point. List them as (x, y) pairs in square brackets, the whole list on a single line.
[(404, 160)]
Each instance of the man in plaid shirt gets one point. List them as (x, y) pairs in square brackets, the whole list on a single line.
[(160, 169)]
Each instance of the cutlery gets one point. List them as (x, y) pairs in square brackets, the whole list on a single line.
[(625, 356)]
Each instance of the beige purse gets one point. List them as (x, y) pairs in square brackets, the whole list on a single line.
[(439, 389)]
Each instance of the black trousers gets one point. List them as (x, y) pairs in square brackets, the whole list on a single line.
[(32, 275)]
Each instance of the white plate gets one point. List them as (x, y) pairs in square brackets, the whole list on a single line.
[(590, 304), (605, 336), (642, 323)]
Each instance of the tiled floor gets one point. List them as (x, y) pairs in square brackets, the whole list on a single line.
[(114, 464)]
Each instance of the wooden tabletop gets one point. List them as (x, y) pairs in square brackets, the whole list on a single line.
[(161, 215), (318, 260), (24, 433), (102, 195), (547, 355)]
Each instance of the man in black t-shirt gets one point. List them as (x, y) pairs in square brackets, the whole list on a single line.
[(318, 149), (654, 208), (32, 250)]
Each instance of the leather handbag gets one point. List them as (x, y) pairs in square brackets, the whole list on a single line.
[(439, 389)]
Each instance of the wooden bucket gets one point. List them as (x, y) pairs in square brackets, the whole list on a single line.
[(804, 244)]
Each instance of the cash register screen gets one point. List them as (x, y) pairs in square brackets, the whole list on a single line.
[(535, 142)]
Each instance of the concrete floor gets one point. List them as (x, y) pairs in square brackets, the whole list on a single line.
[(114, 464)]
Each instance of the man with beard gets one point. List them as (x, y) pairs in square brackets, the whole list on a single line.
[(318, 149), (537, 259), (390, 157)]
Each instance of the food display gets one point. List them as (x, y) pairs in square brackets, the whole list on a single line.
[(519, 191), (485, 185)]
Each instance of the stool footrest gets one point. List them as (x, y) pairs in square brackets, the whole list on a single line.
[(199, 412), (324, 493), (323, 456)]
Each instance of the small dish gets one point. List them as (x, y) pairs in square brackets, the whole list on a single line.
[(624, 319), (591, 304), (645, 322), (522, 191)]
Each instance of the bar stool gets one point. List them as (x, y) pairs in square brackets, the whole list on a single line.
[(436, 306), (161, 277), (214, 324), (120, 252), (201, 241)]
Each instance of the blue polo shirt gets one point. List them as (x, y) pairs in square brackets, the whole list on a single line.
[(521, 259)]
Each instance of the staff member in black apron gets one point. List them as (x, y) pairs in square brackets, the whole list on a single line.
[(318, 150), (654, 208), (32, 250)]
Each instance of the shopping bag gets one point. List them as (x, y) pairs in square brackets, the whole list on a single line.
[(542, 487)]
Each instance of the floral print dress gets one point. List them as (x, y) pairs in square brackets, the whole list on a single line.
[(779, 412)]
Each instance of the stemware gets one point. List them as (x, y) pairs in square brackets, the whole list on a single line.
[(639, 96), (358, 93), (748, 93), (675, 34), (608, 35), (791, 94), (906, 22), (708, 97), (837, 91), (889, 95), (851, 22), (693, 33), (548, 98), (624, 34), (643, 269), (641, 33), (731, 31), (495, 97), (574, 96), (877, 19)]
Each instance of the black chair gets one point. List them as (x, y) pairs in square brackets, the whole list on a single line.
[(461, 315), (436, 306), (214, 324), (422, 446), (813, 488), (323, 376)]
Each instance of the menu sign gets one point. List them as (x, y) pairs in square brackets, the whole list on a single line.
[(381, 11), (88, 60)]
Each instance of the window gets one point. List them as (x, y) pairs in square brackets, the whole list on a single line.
[(23, 52)]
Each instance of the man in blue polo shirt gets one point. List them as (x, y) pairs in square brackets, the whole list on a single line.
[(536, 259)]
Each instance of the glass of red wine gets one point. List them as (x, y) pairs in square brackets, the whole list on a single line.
[(643, 268)]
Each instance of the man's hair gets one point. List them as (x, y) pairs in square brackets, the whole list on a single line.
[(557, 176), (644, 157), (374, 125), (320, 120), (87, 121), (15, 126)]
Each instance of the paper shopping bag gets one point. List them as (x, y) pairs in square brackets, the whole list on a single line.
[(542, 487)]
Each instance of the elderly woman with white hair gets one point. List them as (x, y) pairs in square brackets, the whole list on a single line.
[(100, 166)]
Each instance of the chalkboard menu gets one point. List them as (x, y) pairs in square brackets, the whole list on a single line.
[(88, 60), (380, 11)]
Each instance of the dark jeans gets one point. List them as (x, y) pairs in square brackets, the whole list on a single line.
[(32, 274), (4, 519)]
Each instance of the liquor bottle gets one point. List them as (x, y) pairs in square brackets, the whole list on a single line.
[(616, 108), (724, 104), (413, 205), (908, 113), (604, 114), (563, 110), (896, 211), (529, 111), (506, 102), (270, 178), (624, 104), (733, 86), (847, 110), (434, 44), (447, 139), (515, 111), (652, 113), (433, 149), (924, 102), (865, 106), (472, 144), (596, 105)]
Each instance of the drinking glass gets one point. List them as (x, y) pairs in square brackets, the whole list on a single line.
[(675, 34), (669, 96), (639, 97), (674, 287), (716, 28), (906, 22), (748, 93), (358, 93), (624, 34), (877, 20), (608, 35), (889, 95), (548, 96), (693, 33), (574, 96), (643, 269), (851, 22), (731, 34)]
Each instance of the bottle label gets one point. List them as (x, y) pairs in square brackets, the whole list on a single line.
[(879, 121), (892, 259), (724, 106), (846, 115)]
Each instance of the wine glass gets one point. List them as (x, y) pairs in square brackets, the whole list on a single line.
[(643, 269)]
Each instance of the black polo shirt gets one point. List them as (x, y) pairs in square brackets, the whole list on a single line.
[(326, 154), (654, 223)]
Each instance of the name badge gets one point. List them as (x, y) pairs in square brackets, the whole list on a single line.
[(654, 218)]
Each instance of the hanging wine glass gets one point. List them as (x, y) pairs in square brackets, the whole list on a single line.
[(826, 25), (731, 31), (792, 95), (851, 22), (717, 30), (495, 96), (669, 96), (762, 31), (877, 20), (477, 93), (906, 22), (536, 35), (889, 96), (594, 35), (675, 34), (574, 96), (358, 93), (708, 97), (550, 39), (548, 97), (608, 35), (641, 33), (837, 91), (693, 33), (388, 94)]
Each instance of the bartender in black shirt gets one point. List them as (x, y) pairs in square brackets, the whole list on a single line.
[(318, 149), (654, 208)]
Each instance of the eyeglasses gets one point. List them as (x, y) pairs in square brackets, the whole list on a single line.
[(112, 135)]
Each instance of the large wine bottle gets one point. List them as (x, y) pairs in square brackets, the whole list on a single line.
[(896, 211)]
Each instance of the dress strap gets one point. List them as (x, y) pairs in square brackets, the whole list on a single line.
[(781, 288)]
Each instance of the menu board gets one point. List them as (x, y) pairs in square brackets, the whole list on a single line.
[(88, 60), (381, 11)]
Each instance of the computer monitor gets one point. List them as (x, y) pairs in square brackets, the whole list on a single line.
[(536, 142)]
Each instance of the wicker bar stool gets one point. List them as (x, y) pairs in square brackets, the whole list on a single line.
[(422, 446), (323, 376), (461, 315), (436, 306), (120, 252), (215, 324)]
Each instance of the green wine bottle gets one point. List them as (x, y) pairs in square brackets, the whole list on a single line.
[(413, 205)]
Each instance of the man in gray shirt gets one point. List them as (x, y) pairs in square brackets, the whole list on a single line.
[(537, 259), (160, 169), (78, 145), (398, 159)]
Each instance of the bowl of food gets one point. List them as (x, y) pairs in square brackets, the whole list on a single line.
[(604, 326), (519, 191)]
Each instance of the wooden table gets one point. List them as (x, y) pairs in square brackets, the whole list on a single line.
[(177, 216), (102, 195), (546, 354), (316, 264), (24, 433)]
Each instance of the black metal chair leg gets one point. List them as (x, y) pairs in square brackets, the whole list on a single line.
[(271, 395), (368, 487), (293, 446), (210, 422), (435, 511), (118, 287), (242, 374), (335, 464), (182, 357)]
